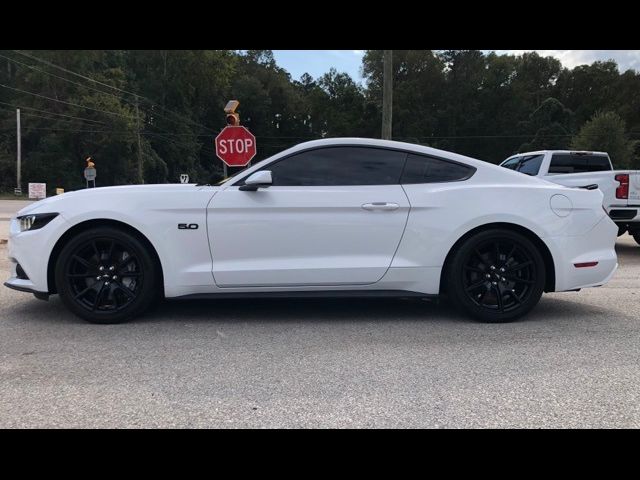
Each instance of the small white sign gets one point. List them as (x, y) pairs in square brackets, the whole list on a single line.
[(37, 190), (90, 174), (184, 178)]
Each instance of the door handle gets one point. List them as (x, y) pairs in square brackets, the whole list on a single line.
[(380, 206)]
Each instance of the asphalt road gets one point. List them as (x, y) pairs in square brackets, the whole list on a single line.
[(573, 363), (8, 208)]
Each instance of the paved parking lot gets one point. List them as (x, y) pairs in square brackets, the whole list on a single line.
[(573, 362)]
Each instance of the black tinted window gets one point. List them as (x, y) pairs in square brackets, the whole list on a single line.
[(339, 166), (599, 163), (567, 163), (530, 164), (512, 164), (423, 169)]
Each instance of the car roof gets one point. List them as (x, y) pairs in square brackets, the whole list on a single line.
[(375, 142)]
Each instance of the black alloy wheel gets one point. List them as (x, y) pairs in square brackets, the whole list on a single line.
[(497, 275), (106, 275)]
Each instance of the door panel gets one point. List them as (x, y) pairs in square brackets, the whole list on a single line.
[(288, 236)]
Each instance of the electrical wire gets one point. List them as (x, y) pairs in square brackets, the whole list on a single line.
[(52, 113), (51, 64), (62, 101)]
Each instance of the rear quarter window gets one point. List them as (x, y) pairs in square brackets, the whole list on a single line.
[(424, 169)]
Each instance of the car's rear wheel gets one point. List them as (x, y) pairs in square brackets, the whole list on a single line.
[(496, 276), (106, 275)]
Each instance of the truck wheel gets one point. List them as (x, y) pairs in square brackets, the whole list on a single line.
[(636, 237)]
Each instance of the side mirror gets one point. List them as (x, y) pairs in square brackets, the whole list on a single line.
[(257, 180)]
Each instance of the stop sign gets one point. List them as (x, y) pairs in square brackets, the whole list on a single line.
[(235, 146)]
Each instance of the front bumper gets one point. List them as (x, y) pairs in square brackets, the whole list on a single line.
[(21, 286), (32, 250)]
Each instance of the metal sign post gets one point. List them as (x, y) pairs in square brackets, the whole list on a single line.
[(18, 189)]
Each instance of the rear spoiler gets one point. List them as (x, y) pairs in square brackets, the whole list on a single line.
[(593, 186)]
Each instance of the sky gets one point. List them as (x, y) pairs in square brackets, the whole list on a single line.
[(318, 62)]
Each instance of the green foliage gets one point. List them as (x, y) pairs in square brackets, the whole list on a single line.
[(606, 132), (165, 107)]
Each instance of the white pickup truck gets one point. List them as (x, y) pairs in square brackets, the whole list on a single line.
[(621, 188)]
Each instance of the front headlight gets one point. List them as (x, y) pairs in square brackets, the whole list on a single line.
[(35, 220)]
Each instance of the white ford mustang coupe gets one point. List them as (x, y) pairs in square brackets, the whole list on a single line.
[(333, 217)]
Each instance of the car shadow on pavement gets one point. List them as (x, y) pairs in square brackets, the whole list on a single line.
[(263, 310)]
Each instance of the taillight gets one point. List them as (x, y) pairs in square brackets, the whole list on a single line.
[(623, 190)]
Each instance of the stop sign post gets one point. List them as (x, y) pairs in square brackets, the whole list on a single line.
[(235, 146)]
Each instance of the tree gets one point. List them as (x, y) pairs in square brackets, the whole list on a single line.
[(488, 106), (605, 131), (550, 124)]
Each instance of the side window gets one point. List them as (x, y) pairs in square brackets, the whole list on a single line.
[(566, 163), (423, 169), (512, 164), (530, 164), (339, 166)]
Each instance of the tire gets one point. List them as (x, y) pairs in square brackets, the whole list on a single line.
[(107, 275), (491, 294)]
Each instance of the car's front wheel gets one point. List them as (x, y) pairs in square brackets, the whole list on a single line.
[(106, 275), (496, 275)]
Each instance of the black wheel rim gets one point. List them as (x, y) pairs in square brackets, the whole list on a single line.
[(104, 275), (499, 275)]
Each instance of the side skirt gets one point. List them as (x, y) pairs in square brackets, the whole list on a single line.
[(308, 294)]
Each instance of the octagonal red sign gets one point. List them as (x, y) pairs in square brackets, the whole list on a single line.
[(235, 146)]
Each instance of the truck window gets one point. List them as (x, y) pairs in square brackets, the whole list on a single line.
[(599, 163), (530, 164), (512, 164), (571, 163), (527, 164)]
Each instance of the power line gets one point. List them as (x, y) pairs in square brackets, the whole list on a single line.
[(123, 132), (29, 114), (52, 113), (532, 136), (115, 132), (51, 64), (86, 86), (61, 78), (201, 146), (71, 72), (62, 101)]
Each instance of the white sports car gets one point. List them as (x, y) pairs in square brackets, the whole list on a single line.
[(333, 217)]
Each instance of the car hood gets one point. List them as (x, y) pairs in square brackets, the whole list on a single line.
[(58, 203)]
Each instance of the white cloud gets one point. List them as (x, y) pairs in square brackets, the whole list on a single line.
[(626, 59)]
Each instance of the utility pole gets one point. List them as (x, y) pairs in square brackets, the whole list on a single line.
[(140, 176), (387, 94), (19, 158)]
